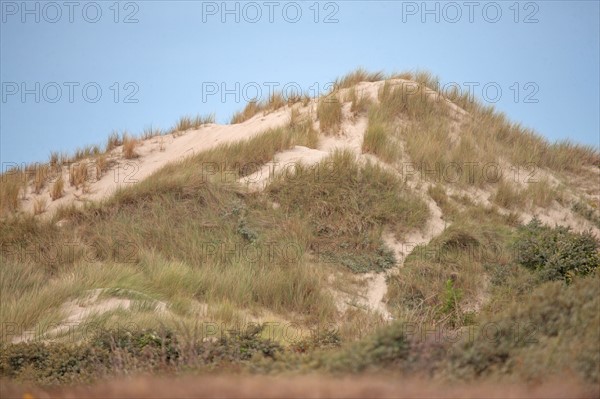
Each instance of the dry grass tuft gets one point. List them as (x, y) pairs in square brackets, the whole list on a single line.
[(57, 188), (150, 132), (187, 122), (329, 113), (359, 104), (129, 145), (378, 141), (40, 177), (357, 76), (113, 141), (78, 174), (102, 166), (275, 102), (302, 126), (11, 182), (251, 109), (39, 205)]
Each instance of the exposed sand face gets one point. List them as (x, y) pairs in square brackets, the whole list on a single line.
[(151, 158)]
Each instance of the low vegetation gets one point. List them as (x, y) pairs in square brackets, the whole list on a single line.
[(515, 340), (273, 103), (346, 205), (57, 188), (129, 145), (380, 142), (556, 253)]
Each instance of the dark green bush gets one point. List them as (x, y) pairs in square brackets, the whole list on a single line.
[(122, 351), (555, 331), (556, 253), (386, 347), (52, 363), (323, 339)]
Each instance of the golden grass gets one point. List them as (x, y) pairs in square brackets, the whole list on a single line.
[(302, 124), (186, 123), (11, 183), (129, 145), (54, 159), (359, 104), (357, 76), (78, 174), (508, 196), (102, 165), (536, 194), (57, 189), (39, 205), (251, 109), (273, 103), (113, 141), (150, 132), (329, 114), (40, 177)]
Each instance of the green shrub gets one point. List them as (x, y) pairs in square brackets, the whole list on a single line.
[(122, 351), (323, 339), (384, 348), (556, 253), (553, 331)]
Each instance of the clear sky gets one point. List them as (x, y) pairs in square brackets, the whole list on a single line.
[(72, 72)]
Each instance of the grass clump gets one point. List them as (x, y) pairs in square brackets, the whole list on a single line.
[(129, 145), (150, 132), (251, 109), (113, 141), (329, 114), (346, 206), (442, 281), (102, 165), (357, 76), (41, 177), (11, 183), (359, 104), (273, 103), (39, 205), (186, 123), (302, 126), (508, 196), (378, 141), (78, 174), (57, 189)]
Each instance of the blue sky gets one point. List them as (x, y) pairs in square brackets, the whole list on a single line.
[(147, 63)]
